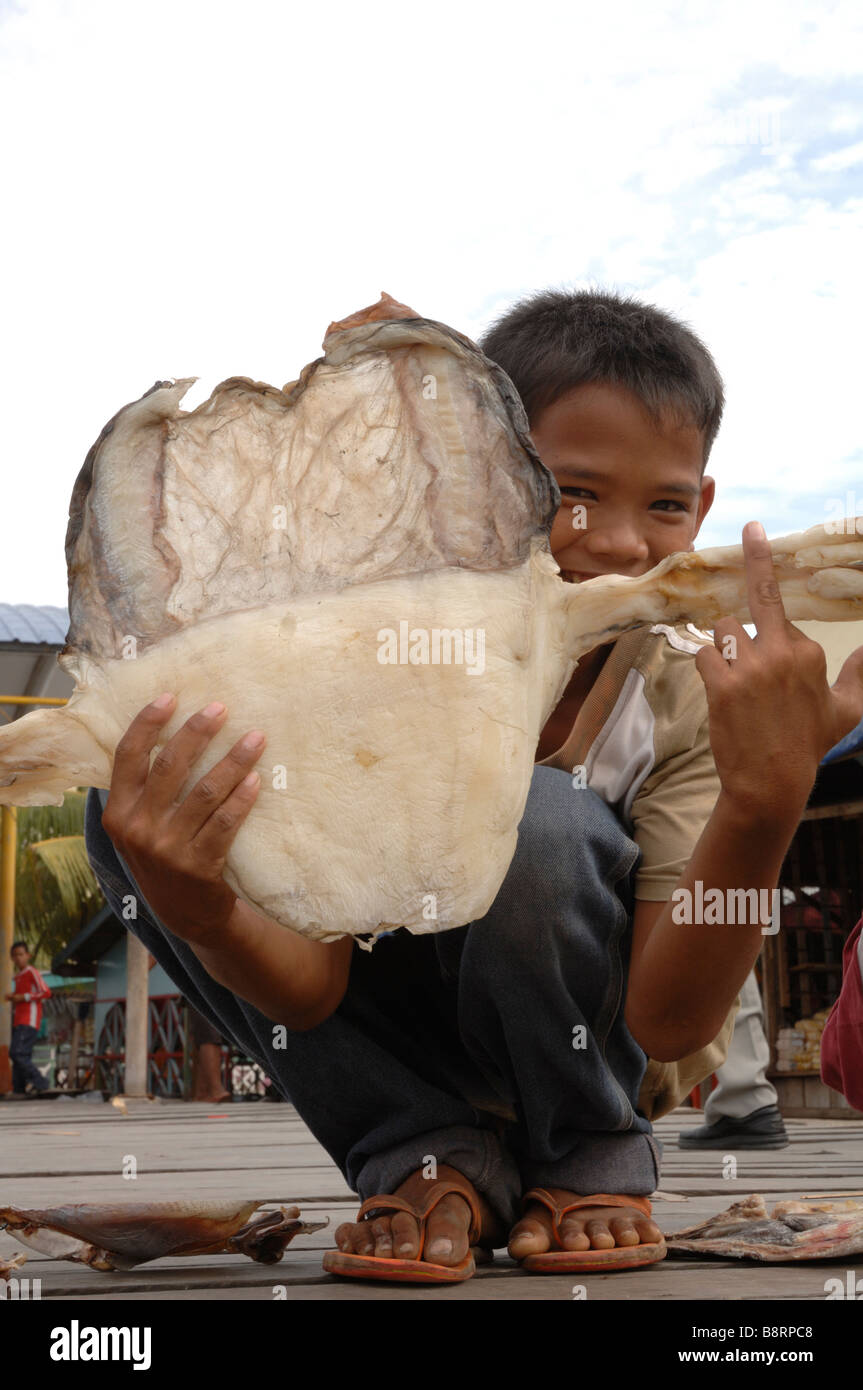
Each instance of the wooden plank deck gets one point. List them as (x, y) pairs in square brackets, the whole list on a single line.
[(73, 1151)]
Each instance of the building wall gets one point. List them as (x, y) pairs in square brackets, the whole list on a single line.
[(111, 982)]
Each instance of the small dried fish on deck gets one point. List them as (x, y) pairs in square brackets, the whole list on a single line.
[(8, 1265), (794, 1230), (123, 1235)]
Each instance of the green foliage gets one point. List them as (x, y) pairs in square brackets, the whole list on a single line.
[(56, 892)]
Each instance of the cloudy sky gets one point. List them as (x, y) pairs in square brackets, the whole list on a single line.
[(196, 188)]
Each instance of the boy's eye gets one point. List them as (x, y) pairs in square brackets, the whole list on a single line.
[(670, 502), (571, 491)]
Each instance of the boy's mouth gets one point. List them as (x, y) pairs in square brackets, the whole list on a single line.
[(576, 576)]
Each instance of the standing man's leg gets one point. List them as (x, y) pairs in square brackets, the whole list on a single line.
[(741, 1111)]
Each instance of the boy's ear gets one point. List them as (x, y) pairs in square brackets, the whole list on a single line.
[(705, 502)]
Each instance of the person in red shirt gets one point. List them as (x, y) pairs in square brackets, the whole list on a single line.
[(842, 1039), (29, 993)]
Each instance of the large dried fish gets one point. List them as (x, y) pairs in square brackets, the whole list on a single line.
[(358, 564), (122, 1236), (794, 1230)]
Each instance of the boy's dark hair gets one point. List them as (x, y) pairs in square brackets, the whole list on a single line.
[(19, 943), (554, 340)]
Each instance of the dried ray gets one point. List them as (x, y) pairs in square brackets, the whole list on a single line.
[(256, 548)]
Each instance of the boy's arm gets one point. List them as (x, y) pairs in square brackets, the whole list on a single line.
[(683, 979), (177, 853), (772, 719), (291, 979)]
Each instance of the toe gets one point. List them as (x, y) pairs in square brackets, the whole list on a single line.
[(574, 1234), (448, 1227), (597, 1233), (362, 1239), (405, 1236), (624, 1231), (381, 1229), (343, 1235), (531, 1235), (648, 1231)]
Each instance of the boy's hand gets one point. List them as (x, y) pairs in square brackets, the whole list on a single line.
[(772, 714), (177, 850)]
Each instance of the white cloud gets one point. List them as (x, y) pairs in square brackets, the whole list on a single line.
[(841, 159), (198, 188)]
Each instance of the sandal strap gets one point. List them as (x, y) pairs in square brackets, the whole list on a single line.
[(598, 1199), (435, 1193)]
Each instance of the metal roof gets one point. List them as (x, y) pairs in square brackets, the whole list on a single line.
[(33, 623)]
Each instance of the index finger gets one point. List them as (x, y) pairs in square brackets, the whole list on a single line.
[(132, 754), (764, 595)]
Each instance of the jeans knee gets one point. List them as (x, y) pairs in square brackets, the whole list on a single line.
[(570, 846)]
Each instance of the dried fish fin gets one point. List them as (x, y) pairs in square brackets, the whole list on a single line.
[(7, 1266), (819, 571), (266, 1238)]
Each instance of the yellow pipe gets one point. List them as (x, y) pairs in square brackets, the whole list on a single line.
[(32, 700)]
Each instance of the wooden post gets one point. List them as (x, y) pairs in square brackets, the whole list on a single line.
[(137, 1010), (8, 854), (187, 1051), (72, 1075)]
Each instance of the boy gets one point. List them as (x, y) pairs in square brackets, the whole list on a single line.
[(29, 994), (475, 1085)]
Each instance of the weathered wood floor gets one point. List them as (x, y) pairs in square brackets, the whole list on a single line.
[(53, 1152)]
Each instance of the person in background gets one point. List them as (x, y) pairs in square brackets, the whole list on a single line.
[(741, 1111), (29, 993), (208, 1064), (842, 1039)]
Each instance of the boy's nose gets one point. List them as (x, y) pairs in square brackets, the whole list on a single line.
[(620, 544)]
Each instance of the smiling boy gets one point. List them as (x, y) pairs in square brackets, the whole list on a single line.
[(491, 1085)]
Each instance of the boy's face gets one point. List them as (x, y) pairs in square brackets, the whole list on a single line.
[(20, 957), (639, 483)]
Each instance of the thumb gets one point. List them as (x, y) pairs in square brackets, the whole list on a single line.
[(848, 694)]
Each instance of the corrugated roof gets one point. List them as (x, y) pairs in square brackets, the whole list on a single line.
[(32, 622)]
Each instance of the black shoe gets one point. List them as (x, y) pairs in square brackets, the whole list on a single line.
[(763, 1129)]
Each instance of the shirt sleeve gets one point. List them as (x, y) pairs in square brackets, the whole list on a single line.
[(676, 800)]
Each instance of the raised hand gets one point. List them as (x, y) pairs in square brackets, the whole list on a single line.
[(772, 714)]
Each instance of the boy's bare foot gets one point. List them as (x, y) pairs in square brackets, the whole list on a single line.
[(587, 1228), (396, 1236)]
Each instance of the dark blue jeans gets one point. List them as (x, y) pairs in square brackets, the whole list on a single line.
[(24, 1069), (498, 1048)]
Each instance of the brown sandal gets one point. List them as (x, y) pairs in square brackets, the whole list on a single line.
[(582, 1261), (417, 1271)]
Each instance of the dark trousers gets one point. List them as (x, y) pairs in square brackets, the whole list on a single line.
[(499, 1048), (20, 1055)]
